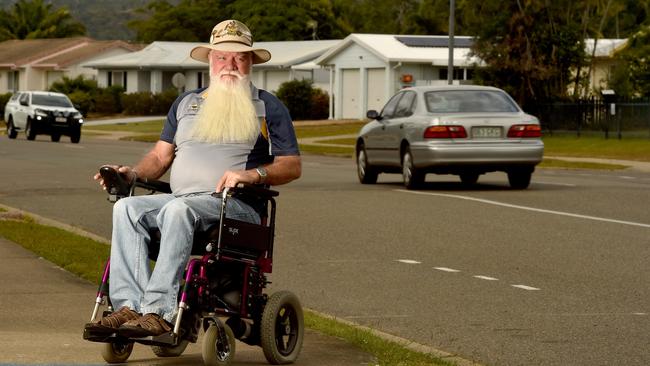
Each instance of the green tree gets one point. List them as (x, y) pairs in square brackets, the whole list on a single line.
[(287, 20), (632, 76), (269, 20), (189, 21), (34, 19), (529, 47)]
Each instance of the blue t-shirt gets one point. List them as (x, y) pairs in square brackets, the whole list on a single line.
[(198, 165)]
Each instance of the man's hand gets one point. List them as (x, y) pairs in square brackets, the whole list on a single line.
[(126, 171), (231, 178)]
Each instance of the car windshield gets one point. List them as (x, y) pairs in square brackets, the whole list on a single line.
[(51, 100), (461, 101)]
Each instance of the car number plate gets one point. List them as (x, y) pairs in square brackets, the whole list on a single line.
[(486, 132), (60, 119)]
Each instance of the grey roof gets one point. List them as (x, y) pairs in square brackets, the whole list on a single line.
[(162, 55), (407, 48)]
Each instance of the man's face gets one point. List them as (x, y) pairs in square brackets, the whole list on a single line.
[(225, 64)]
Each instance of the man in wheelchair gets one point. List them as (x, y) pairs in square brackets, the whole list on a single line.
[(214, 138)]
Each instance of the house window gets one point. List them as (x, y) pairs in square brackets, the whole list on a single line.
[(459, 74), (117, 78), (12, 81)]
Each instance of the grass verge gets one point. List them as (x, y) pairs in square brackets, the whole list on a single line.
[(566, 164), (85, 258)]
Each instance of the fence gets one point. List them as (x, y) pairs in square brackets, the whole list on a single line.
[(593, 116)]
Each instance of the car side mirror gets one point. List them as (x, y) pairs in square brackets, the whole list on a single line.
[(23, 102), (373, 114)]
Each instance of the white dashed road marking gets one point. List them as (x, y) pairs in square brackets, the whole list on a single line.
[(556, 184), (408, 261), (487, 278), (480, 277), (496, 203), (527, 288), (445, 269)]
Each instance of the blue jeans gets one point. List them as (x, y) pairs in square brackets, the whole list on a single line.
[(132, 282)]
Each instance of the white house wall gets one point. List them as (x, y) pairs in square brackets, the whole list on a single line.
[(273, 79), (352, 65)]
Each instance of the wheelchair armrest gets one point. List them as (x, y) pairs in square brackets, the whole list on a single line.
[(255, 191), (153, 185)]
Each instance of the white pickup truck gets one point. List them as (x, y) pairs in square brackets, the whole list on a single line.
[(38, 112)]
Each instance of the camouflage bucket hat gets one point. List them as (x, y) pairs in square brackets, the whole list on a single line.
[(230, 36)]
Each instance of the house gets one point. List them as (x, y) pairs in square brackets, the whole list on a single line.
[(366, 69), (34, 64), (603, 63), (162, 65)]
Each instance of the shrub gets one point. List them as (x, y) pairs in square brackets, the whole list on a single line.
[(82, 100), (320, 104), (296, 95), (139, 103), (108, 100), (146, 103), (163, 101), (303, 100), (4, 98), (69, 86)]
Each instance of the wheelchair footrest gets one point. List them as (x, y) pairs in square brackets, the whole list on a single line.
[(166, 339)]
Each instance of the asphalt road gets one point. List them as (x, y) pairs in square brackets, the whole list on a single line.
[(558, 274)]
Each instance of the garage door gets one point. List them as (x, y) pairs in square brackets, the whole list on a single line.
[(376, 88), (351, 95)]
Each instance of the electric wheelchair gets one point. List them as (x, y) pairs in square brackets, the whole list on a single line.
[(224, 279)]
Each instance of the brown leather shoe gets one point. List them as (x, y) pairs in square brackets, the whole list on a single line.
[(145, 326), (111, 322)]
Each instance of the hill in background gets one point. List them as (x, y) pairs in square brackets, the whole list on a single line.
[(103, 19)]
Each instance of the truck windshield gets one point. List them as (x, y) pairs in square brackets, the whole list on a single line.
[(51, 100)]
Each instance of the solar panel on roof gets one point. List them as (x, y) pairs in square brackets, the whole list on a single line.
[(433, 41)]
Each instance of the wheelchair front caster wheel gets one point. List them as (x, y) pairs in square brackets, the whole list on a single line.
[(117, 352), (214, 351), (174, 351), (282, 328)]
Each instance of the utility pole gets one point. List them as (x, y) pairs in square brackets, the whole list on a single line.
[(450, 63)]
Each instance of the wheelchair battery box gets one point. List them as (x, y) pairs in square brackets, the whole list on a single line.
[(243, 235)]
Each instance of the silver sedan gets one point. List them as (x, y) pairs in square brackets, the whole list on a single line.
[(461, 130)]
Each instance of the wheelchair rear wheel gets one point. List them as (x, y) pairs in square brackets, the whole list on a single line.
[(282, 328), (172, 351), (214, 352), (117, 352)]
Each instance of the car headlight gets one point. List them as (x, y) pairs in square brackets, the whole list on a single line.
[(40, 112)]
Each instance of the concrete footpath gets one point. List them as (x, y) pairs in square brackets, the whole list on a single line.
[(44, 309)]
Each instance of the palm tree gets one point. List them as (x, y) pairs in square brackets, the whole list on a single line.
[(28, 19)]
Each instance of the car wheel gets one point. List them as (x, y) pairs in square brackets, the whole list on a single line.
[(469, 179), (55, 137), (75, 136), (29, 130), (367, 174), (413, 178), (11, 130), (519, 178)]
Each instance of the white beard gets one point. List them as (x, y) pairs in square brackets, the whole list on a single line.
[(227, 114)]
